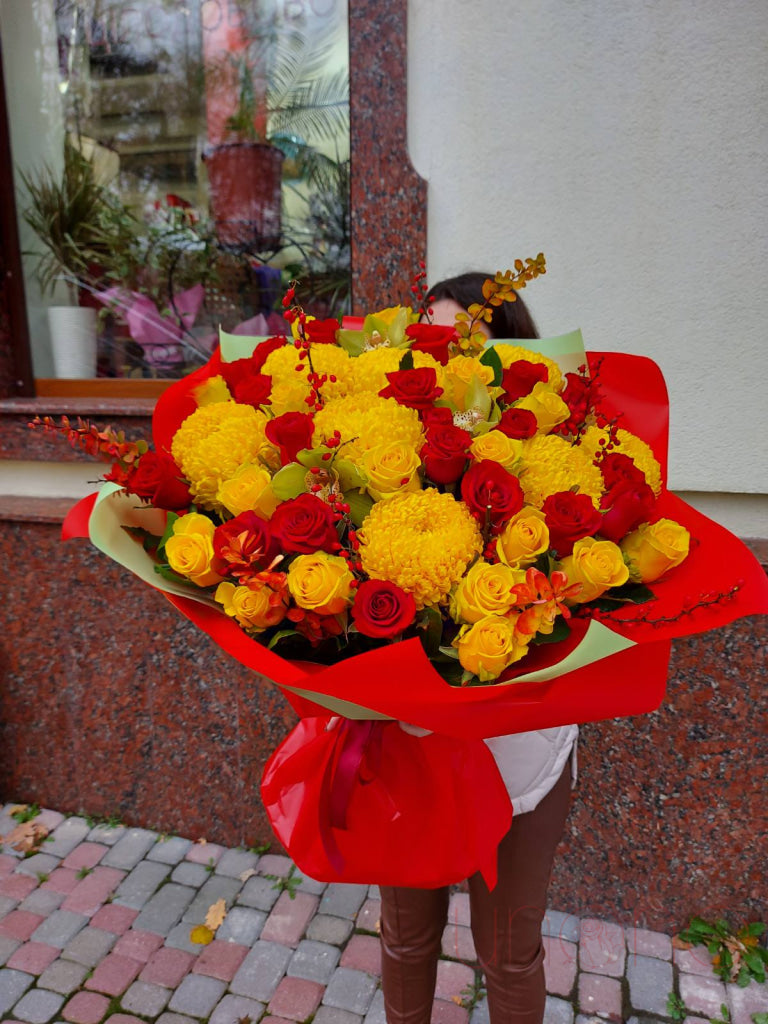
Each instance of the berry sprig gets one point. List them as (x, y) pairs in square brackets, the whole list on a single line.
[(107, 444), (689, 605), (295, 314), (502, 288), (419, 291)]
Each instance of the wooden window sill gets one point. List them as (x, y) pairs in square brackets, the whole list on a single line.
[(100, 387)]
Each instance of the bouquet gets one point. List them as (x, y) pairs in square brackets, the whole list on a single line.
[(396, 520)]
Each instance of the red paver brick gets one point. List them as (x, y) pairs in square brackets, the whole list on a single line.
[(20, 924), (221, 959), (363, 953), (458, 942), (642, 942), (452, 979), (559, 965), (85, 1008), (458, 909), (369, 916), (7, 864), (693, 961), (114, 974), (125, 1018), (168, 967), (296, 998), (600, 995), (289, 918), (114, 918), (33, 957), (264, 1020), (86, 855), (17, 886), (89, 894), (203, 853), (444, 1013), (602, 947), (61, 880), (138, 945)]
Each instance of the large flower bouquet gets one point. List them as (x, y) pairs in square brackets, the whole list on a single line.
[(396, 520)]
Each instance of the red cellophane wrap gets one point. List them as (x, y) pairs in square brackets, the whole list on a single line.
[(343, 799)]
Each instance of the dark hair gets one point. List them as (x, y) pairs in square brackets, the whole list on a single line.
[(509, 320)]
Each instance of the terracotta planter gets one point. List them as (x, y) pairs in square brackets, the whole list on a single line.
[(245, 193)]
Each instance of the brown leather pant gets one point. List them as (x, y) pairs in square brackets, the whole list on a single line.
[(506, 925)]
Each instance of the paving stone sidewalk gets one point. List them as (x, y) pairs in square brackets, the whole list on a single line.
[(97, 926)]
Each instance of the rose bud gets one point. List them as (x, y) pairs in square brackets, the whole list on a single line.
[(488, 490), (304, 524), (416, 389), (445, 453), (382, 609), (434, 339), (291, 433), (254, 390), (518, 424), (157, 479), (569, 517), (519, 378), (629, 503)]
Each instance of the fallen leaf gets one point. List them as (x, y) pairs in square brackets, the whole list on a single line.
[(678, 943), (26, 837), (201, 935), (458, 1000), (216, 914), (201, 842), (16, 808), (247, 874)]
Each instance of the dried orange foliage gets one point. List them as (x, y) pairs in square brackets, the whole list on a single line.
[(27, 837), (107, 444), (202, 934), (502, 288)]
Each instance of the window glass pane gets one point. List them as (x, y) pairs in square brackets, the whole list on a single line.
[(177, 163)]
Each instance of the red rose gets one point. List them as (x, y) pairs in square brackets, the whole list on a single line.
[(381, 609), (519, 378), (322, 332), (265, 349), (517, 423), (433, 339), (569, 517), (436, 415), (629, 503), (304, 525), (157, 479), (290, 433), (244, 544), (618, 468), (490, 492), (416, 389), (445, 452), (239, 369), (254, 390)]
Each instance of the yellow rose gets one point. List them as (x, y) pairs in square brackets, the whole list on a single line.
[(485, 590), (497, 447), (458, 376), (654, 548), (490, 646), (548, 408), (392, 468), (249, 490), (254, 608), (596, 565), (190, 550), (320, 583), (524, 537)]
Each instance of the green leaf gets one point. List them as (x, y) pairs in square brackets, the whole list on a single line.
[(449, 652), (560, 632), (148, 540), (406, 363), (281, 634), (755, 964), (756, 928), (290, 481), (168, 574), (359, 506), (490, 357), (630, 593), (431, 631), (172, 517), (760, 1018)]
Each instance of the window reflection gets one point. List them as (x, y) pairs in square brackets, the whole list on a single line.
[(184, 160)]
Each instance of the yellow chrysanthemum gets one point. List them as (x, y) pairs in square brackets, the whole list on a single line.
[(370, 368), (330, 359), (213, 442), (552, 464), (631, 445), (509, 354), (423, 542), (370, 420)]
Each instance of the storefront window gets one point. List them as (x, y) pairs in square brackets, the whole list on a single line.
[(177, 163)]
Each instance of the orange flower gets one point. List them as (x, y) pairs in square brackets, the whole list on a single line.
[(546, 600)]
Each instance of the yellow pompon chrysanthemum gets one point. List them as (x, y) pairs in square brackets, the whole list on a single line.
[(369, 419), (422, 542), (509, 354), (552, 464), (329, 359), (211, 391), (630, 445), (370, 368), (213, 442)]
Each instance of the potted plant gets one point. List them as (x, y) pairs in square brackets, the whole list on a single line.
[(79, 221)]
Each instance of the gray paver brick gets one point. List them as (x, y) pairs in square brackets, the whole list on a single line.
[(106, 835), (89, 946), (197, 995), (13, 985), (42, 901), (38, 1006), (51, 819), (557, 1011), (242, 925), (59, 928), (561, 926), (8, 947), (349, 989), (130, 848), (259, 974), (374, 892), (178, 938), (746, 1001), (7, 904), (187, 873), (234, 862), (650, 981), (333, 1015), (170, 851), (311, 885), (216, 888), (702, 995), (335, 930), (259, 893), (137, 887), (276, 864), (63, 976), (70, 833), (38, 864), (376, 1013), (343, 900), (164, 909), (234, 1008), (314, 961), (480, 1013), (146, 999), (175, 1018)]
